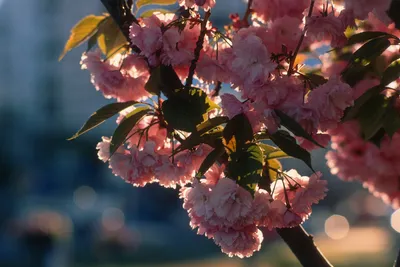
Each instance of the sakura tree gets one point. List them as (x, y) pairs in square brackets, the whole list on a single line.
[(221, 149)]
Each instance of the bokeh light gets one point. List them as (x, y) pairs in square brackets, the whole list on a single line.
[(337, 227), (395, 220), (113, 219), (85, 197)]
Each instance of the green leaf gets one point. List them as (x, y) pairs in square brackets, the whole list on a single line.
[(140, 3), (271, 155), (237, 133), (267, 148), (153, 84), (101, 116), (273, 165), (246, 166), (211, 158), (355, 73), (200, 136), (149, 13), (353, 112), (279, 154), (110, 38), (261, 136), (211, 124), (371, 116), (125, 127), (271, 152), (91, 42), (293, 126), (314, 80), (392, 73), (82, 31), (211, 137), (365, 36), (371, 50), (288, 144), (186, 109), (394, 14), (391, 121), (163, 79)]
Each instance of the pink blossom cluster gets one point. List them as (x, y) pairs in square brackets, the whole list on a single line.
[(162, 41), (205, 4), (376, 167), (122, 80), (149, 164), (318, 111), (360, 9), (148, 157), (222, 210), (256, 60)]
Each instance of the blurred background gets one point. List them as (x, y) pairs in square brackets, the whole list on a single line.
[(61, 206)]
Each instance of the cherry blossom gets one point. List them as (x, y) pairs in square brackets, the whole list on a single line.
[(271, 10), (330, 100), (241, 243), (326, 27), (206, 4), (113, 82), (250, 66), (255, 60)]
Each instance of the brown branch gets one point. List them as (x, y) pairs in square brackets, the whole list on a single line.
[(294, 56), (248, 12), (303, 247), (197, 51)]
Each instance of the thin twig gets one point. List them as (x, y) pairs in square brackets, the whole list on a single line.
[(199, 47), (293, 58)]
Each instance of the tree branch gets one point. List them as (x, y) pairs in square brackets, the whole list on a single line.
[(197, 51), (248, 12), (293, 59), (303, 247), (122, 15)]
